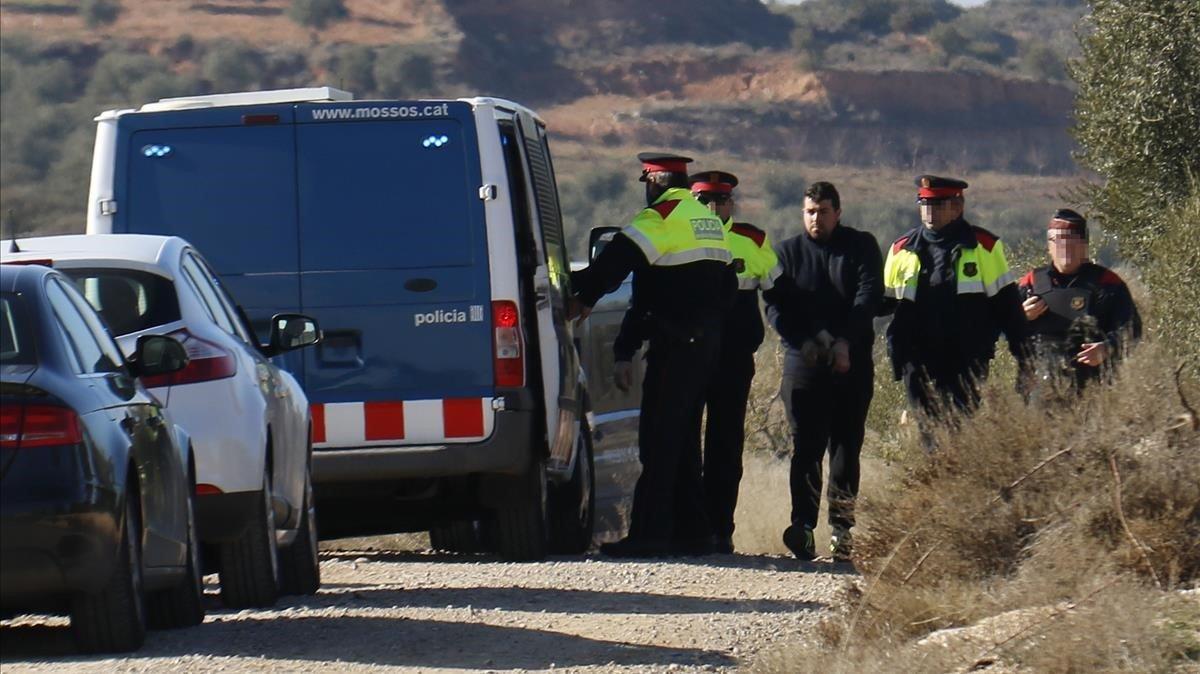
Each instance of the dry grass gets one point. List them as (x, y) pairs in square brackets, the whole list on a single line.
[(1077, 526)]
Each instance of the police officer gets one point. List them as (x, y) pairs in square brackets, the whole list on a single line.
[(823, 307), (728, 387), (952, 294), (683, 283), (1081, 314)]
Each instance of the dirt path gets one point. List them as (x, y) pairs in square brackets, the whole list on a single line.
[(389, 610)]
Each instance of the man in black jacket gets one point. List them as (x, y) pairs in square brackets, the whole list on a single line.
[(823, 306)]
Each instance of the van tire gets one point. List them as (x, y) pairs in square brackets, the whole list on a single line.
[(299, 563), (250, 563), (573, 503), (183, 604), (459, 536), (520, 523), (114, 619)]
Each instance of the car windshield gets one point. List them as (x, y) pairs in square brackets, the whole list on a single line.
[(128, 300), (16, 342)]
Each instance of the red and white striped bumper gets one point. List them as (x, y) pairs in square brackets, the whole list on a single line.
[(402, 422)]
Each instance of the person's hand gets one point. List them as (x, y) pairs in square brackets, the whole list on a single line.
[(812, 353), (1093, 354), (841, 356), (1034, 307), (824, 339), (623, 375), (576, 310)]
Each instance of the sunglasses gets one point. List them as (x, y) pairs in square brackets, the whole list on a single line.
[(718, 199)]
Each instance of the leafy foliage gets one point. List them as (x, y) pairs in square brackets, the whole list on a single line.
[(1138, 124), (99, 12), (317, 13)]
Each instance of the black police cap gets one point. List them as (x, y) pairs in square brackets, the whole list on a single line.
[(1068, 215), (713, 178)]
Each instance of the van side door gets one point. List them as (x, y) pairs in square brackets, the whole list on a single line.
[(552, 287)]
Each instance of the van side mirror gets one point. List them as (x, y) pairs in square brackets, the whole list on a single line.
[(598, 238), (157, 355), (290, 332)]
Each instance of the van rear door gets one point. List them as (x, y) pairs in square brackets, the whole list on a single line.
[(394, 266), (224, 179)]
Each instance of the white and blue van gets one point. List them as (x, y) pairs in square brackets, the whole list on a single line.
[(426, 238)]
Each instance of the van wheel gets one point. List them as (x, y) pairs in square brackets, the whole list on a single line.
[(182, 605), (520, 524), (462, 536), (299, 561), (114, 619), (249, 563), (573, 503)]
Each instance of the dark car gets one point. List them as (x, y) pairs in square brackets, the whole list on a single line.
[(95, 482)]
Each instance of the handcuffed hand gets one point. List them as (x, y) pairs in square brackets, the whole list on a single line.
[(1093, 354), (1034, 307), (623, 375)]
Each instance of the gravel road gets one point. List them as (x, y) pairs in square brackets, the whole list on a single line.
[(387, 609)]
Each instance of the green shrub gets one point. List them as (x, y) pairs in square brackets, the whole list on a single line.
[(353, 69), (1041, 62), (233, 66), (784, 190), (402, 72), (117, 72), (317, 13), (99, 12)]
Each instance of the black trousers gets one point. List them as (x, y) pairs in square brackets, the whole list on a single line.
[(725, 435), (668, 500), (827, 412), (942, 394)]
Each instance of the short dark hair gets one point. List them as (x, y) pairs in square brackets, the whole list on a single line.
[(822, 191), (668, 179)]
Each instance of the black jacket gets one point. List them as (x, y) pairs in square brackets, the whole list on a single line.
[(946, 332), (835, 286), (1103, 296)]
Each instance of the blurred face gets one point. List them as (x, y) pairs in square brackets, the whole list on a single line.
[(1068, 250), (937, 213), (717, 202), (820, 218)]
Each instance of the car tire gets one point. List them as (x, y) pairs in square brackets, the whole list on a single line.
[(299, 562), (460, 536), (114, 619), (521, 524), (250, 563), (573, 503), (182, 605)]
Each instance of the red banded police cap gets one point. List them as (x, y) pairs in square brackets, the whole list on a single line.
[(653, 162), (937, 187), (720, 182), (1069, 220)]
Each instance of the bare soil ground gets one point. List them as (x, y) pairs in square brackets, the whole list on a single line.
[(410, 610)]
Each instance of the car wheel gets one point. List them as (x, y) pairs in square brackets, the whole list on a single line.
[(182, 605), (299, 561), (114, 619), (520, 524), (573, 504), (250, 562), (463, 536)]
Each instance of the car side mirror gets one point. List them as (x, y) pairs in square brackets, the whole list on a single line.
[(598, 238), (157, 355), (292, 331)]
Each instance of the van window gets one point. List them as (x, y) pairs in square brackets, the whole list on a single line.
[(385, 195)]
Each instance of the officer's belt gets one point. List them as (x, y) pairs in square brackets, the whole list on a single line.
[(673, 330)]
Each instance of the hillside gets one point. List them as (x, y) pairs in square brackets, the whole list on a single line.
[(869, 87)]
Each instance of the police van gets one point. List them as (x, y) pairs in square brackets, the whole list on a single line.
[(426, 238)]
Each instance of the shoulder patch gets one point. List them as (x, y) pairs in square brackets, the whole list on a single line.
[(985, 238), (665, 208), (1026, 280), (1110, 278), (750, 232), (900, 243)]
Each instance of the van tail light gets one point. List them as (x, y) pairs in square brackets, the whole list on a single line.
[(506, 344), (203, 489), (24, 426), (206, 362)]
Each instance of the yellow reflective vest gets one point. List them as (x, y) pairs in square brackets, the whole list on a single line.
[(676, 229), (759, 266)]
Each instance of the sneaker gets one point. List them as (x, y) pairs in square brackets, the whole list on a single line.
[(799, 539), (839, 544), (631, 547)]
